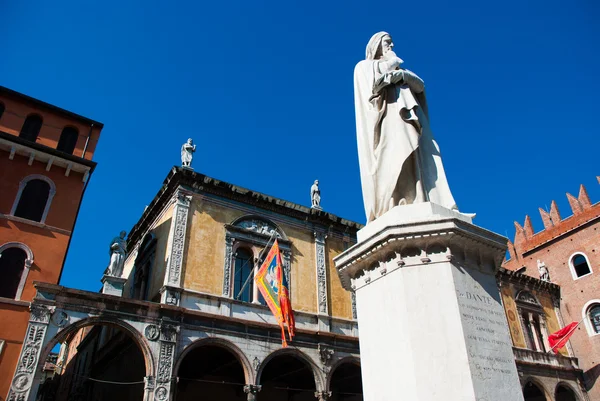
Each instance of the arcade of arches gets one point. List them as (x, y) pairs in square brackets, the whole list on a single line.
[(534, 392)]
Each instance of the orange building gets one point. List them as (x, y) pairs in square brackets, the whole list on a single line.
[(45, 164)]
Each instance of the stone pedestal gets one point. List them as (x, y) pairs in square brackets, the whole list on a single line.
[(431, 322), (113, 285)]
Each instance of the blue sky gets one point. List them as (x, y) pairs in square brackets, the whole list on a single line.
[(265, 89)]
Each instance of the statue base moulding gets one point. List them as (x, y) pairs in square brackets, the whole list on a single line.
[(432, 325), (113, 285)]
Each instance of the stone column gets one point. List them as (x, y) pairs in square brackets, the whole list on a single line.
[(321, 275), (27, 376), (171, 291), (438, 305), (166, 357), (252, 391), (323, 395), (149, 385)]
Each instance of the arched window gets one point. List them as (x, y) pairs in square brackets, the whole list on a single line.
[(1, 109), (31, 127), (34, 198), (243, 284), (68, 140), (143, 268), (594, 314), (15, 260), (579, 265)]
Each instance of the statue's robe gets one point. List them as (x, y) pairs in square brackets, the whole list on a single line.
[(400, 163)]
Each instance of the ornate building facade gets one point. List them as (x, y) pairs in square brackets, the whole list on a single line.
[(189, 320), (45, 163), (566, 249)]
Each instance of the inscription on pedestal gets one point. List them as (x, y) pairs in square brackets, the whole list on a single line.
[(486, 335)]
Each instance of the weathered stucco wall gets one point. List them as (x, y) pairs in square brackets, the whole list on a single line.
[(205, 242)]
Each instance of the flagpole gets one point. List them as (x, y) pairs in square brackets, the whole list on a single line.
[(273, 234)]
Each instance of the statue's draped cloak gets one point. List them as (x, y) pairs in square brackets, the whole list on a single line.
[(394, 145)]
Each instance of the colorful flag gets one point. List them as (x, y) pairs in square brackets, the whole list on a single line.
[(558, 339), (272, 284)]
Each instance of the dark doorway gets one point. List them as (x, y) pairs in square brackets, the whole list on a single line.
[(563, 393), (97, 363), (346, 383), (287, 377), (531, 392), (210, 372)]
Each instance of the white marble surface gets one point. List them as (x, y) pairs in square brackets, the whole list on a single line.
[(432, 326)]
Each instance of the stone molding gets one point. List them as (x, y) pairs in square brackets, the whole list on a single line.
[(419, 243)]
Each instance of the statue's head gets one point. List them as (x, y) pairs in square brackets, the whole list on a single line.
[(317, 182), (189, 141), (379, 45), (123, 234)]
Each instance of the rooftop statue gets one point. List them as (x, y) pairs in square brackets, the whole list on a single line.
[(400, 163), (187, 153)]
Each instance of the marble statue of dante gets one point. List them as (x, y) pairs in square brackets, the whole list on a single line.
[(118, 249), (543, 270), (187, 153), (315, 195), (400, 162)]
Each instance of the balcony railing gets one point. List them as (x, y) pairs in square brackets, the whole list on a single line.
[(545, 358)]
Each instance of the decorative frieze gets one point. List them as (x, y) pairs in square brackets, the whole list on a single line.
[(287, 268), (321, 269), (354, 314)]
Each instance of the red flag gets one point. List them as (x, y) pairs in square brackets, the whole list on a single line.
[(559, 339)]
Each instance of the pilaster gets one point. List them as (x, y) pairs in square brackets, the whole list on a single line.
[(25, 373), (321, 280), (171, 291), (228, 265), (166, 357)]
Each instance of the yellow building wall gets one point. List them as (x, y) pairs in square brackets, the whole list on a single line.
[(304, 275), (205, 257), (340, 300)]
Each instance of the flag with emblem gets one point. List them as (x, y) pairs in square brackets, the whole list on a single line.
[(273, 285)]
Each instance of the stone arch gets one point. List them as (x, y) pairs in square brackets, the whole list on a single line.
[(72, 328), (347, 359), (222, 343), (537, 383), (317, 373), (567, 386)]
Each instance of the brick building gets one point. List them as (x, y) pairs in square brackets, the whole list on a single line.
[(569, 248), (45, 164)]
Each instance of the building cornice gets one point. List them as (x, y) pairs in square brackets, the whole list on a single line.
[(47, 106), (204, 185)]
